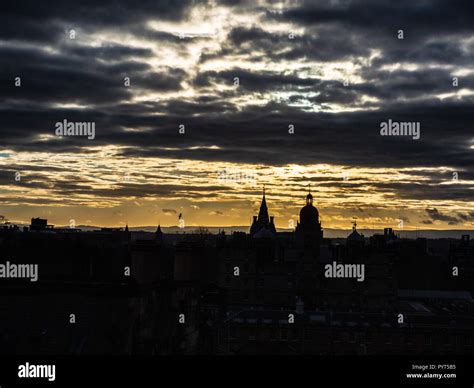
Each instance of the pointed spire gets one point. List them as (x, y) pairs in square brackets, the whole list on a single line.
[(263, 213), (126, 227), (158, 234)]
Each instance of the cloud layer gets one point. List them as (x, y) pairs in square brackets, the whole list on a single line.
[(236, 75)]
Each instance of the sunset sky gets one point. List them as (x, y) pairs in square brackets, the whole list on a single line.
[(334, 70)]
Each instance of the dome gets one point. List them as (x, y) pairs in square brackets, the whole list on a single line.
[(309, 214), (309, 226), (355, 236)]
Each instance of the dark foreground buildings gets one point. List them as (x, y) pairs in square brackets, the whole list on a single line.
[(115, 292)]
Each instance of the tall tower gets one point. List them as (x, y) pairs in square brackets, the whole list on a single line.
[(309, 228), (262, 224), (263, 212), (158, 233)]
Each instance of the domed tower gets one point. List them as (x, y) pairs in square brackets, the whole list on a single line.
[(355, 236), (309, 226)]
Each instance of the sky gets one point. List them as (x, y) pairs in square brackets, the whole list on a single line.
[(197, 105)]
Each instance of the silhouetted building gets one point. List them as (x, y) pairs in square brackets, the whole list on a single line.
[(262, 225), (355, 237), (308, 229), (39, 224), (258, 293)]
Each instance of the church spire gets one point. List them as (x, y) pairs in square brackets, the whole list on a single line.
[(263, 225), (158, 233), (263, 213)]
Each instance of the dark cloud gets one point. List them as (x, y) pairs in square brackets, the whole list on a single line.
[(25, 21), (416, 18), (255, 81), (333, 123), (81, 78), (136, 190), (324, 44), (107, 52), (435, 215)]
